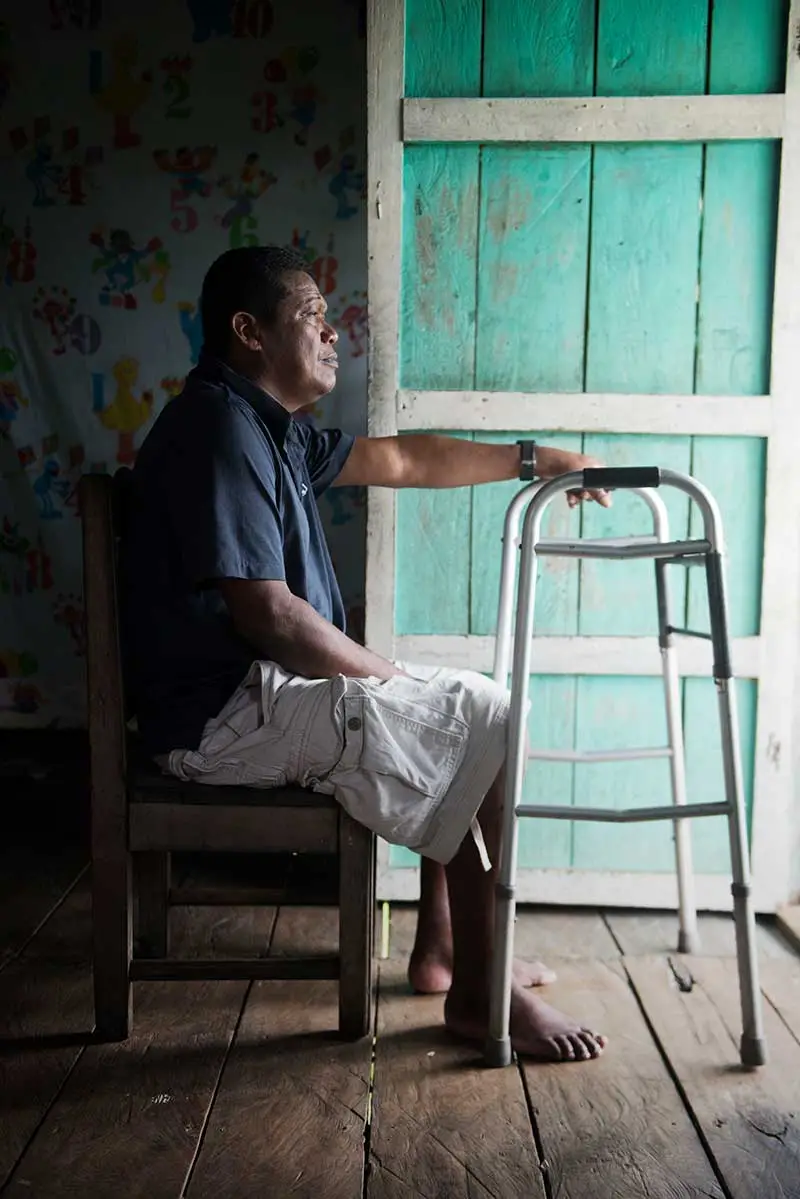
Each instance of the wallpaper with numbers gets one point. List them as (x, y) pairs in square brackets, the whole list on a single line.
[(137, 142)]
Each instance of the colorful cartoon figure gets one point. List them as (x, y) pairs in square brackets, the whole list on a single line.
[(291, 67), (160, 271), (353, 320), (56, 307), (126, 413), (54, 182), (124, 94), (68, 611), (187, 166), (45, 175), (11, 397), (244, 191), (192, 328), (171, 386), (18, 253), (123, 265), (346, 179), (212, 18), (49, 487), (30, 568)]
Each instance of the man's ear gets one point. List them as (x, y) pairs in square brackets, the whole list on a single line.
[(245, 330)]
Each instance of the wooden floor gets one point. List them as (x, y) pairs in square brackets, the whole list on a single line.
[(237, 1090)]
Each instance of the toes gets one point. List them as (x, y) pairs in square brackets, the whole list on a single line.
[(565, 1047), (593, 1042)]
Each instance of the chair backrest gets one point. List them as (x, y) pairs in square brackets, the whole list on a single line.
[(106, 692)]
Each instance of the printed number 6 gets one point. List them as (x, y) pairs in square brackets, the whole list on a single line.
[(186, 220)]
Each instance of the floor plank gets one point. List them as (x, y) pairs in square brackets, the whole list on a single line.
[(32, 882), (788, 921), (750, 1119), (290, 1114), (645, 933), (442, 1125), (129, 1116), (616, 1126)]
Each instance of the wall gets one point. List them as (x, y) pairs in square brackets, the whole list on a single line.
[(134, 150)]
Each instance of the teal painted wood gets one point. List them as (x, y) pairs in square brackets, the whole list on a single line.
[(619, 598), (705, 781), (401, 857), (443, 47), (542, 49), (557, 587), (734, 470), (643, 275), (433, 560), (440, 222), (534, 226), (551, 725), (748, 46), (656, 48)]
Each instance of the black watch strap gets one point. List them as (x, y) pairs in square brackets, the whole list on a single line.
[(527, 460)]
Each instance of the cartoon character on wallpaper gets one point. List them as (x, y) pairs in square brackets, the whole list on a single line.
[(176, 85), (292, 67), (192, 328), (124, 93), (54, 487), (11, 398), (187, 166), (126, 413), (212, 18), (352, 320), (68, 611), (125, 266), (82, 14), (55, 180), (19, 254), (25, 567), (172, 386), (56, 307), (252, 182), (346, 178), (324, 266)]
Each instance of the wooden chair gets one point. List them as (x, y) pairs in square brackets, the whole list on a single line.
[(139, 816)]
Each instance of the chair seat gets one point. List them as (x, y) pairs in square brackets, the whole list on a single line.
[(146, 784)]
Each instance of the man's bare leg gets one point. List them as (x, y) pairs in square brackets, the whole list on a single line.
[(537, 1030), (430, 970)]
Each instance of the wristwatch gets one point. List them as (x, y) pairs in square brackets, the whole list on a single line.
[(527, 460)]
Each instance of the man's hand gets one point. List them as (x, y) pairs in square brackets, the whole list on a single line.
[(551, 462)]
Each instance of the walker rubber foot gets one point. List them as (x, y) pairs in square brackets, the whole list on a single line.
[(688, 942), (753, 1051), (498, 1052)]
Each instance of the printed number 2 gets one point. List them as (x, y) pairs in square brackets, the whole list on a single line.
[(178, 87), (186, 219)]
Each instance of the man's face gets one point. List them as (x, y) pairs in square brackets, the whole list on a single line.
[(299, 348)]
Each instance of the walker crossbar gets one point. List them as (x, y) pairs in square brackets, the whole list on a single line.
[(514, 658)]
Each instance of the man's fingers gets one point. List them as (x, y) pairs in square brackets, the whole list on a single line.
[(600, 497)]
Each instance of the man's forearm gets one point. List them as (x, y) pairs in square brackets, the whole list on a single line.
[(303, 642), (431, 460)]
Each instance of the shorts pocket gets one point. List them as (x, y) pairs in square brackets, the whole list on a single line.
[(403, 739)]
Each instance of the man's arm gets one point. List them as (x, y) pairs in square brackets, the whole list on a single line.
[(430, 460), (289, 631)]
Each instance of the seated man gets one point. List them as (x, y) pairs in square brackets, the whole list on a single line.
[(234, 626)]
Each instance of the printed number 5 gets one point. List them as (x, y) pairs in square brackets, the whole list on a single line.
[(186, 219)]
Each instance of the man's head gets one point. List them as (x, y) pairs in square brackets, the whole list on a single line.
[(264, 315)]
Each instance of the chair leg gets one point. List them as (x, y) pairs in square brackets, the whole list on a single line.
[(112, 934), (356, 928), (151, 875)]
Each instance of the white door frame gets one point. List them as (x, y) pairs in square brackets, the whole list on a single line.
[(393, 121)]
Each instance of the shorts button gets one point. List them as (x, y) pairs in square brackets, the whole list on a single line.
[(354, 724)]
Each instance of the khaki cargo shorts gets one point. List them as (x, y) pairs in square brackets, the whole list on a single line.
[(411, 758)]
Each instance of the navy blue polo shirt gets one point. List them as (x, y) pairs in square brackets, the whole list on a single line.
[(225, 486)]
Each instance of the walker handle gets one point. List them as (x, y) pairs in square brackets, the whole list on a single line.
[(607, 478)]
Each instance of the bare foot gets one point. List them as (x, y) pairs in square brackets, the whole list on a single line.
[(432, 974), (537, 1029)]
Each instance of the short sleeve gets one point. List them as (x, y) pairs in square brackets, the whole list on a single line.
[(326, 451), (224, 497)]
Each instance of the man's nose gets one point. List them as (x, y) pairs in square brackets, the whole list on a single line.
[(330, 334)]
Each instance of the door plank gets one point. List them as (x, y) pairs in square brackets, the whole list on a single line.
[(129, 1115), (289, 1116), (750, 1119), (443, 48), (615, 1126), (546, 49)]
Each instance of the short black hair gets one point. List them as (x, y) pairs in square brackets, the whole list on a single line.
[(248, 279)]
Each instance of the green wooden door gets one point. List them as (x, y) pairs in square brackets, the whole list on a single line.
[(631, 272)]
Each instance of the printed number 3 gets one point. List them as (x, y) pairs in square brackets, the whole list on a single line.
[(185, 219)]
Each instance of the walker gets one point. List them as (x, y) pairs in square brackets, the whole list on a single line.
[(710, 552)]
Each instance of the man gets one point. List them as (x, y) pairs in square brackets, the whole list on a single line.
[(234, 626)]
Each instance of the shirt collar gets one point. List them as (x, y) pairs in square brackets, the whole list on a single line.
[(274, 415)]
